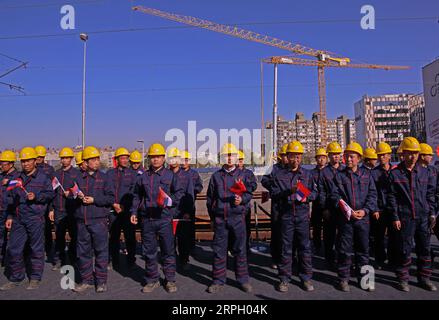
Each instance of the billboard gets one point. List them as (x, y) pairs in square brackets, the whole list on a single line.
[(430, 75)]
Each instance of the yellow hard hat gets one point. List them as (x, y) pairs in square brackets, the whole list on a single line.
[(295, 147), (136, 156), (410, 144), (90, 153), (334, 147), (41, 151), (8, 156), (121, 152), (426, 149), (28, 153), (354, 147), (156, 149), (78, 158), (241, 154), (321, 152), (66, 153), (383, 148), (370, 153), (186, 155), (229, 148), (283, 149), (173, 152)]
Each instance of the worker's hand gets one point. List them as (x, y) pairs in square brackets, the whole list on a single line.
[(326, 214), (376, 215), (186, 216), (117, 208), (81, 195), (8, 224), (88, 200), (5, 182), (358, 214), (30, 196), (238, 200), (397, 225), (133, 219), (432, 221), (52, 215)]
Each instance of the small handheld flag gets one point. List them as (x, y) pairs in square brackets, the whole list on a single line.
[(163, 200), (238, 188), (75, 191), (347, 210), (302, 192), (14, 184), (56, 184)]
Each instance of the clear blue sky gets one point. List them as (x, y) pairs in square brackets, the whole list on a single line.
[(125, 67)]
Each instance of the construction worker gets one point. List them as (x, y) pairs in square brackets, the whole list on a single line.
[(380, 219), (81, 164), (356, 187), (8, 173), (156, 193), (294, 214), (63, 210), (136, 162), (188, 231), (316, 214), (94, 199), (29, 200), (370, 158), (227, 212), (50, 172), (413, 205), (329, 210), (252, 183), (182, 211), (267, 183), (123, 179)]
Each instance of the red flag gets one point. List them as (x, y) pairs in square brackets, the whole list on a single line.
[(75, 190), (302, 192), (163, 200), (238, 188)]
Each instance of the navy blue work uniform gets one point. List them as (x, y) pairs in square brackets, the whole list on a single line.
[(329, 221), (378, 227), (411, 200), (228, 218), (358, 190), (123, 181), (92, 224), (156, 221), (275, 225), (5, 178), (295, 220), (64, 211), (28, 225), (49, 171), (316, 212)]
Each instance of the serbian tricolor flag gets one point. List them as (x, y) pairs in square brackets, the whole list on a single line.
[(163, 200), (75, 190), (238, 188), (346, 209), (302, 192), (55, 183), (14, 184)]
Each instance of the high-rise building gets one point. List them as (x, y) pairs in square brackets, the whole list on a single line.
[(417, 117)]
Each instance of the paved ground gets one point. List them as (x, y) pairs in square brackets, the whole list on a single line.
[(124, 284)]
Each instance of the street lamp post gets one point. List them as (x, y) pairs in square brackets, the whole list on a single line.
[(83, 37), (143, 151)]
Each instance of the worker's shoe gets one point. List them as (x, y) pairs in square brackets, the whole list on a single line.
[(82, 287), (283, 286), (427, 285), (307, 286), (10, 285), (403, 286), (246, 287), (214, 288), (171, 287), (343, 285), (150, 287), (33, 285), (101, 288)]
